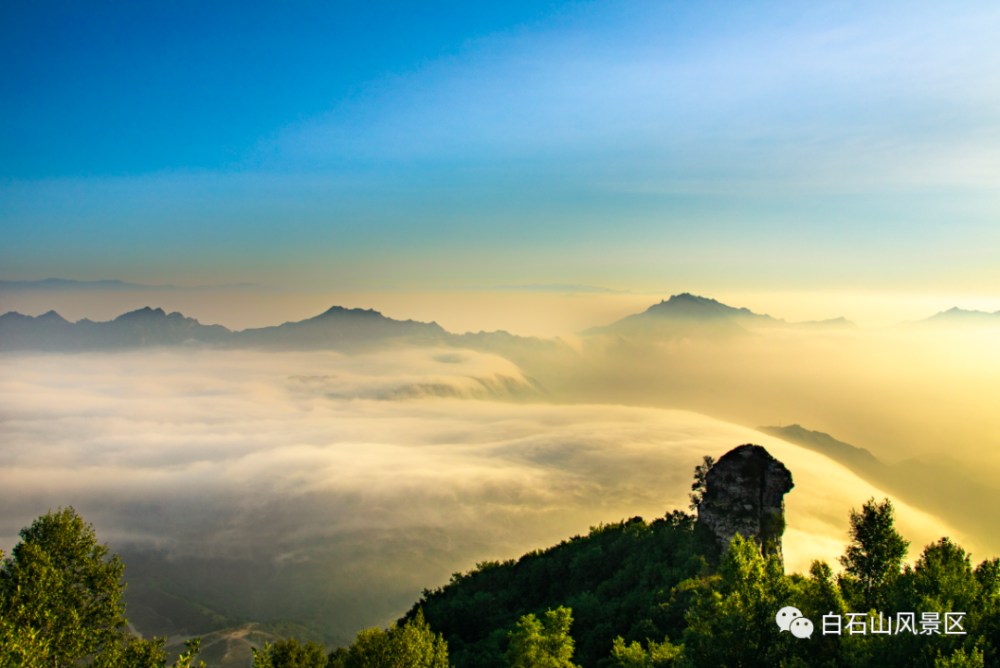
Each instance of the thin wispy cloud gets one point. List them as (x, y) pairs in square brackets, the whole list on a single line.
[(785, 96)]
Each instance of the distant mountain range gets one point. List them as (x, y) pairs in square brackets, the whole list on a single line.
[(686, 314), (932, 487), (336, 329), (956, 317), (342, 326), (145, 327), (683, 315)]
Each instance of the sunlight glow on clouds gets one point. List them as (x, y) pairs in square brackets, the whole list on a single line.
[(229, 455)]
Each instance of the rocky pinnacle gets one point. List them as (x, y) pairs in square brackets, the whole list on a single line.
[(744, 494)]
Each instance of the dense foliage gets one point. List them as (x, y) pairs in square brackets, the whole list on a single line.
[(875, 554), (542, 644), (647, 595), (628, 595), (290, 653), (620, 580), (410, 645), (60, 602)]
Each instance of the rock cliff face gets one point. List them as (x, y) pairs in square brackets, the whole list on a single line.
[(744, 493)]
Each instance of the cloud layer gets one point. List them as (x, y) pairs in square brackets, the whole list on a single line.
[(339, 495)]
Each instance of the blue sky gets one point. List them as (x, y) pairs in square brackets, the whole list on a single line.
[(634, 145)]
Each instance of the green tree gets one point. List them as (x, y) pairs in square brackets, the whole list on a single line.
[(698, 486), (941, 581), (542, 644), (943, 578), (372, 648), (412, 645), (416, 646), (818, 595), (20, 646), (60, 582), (732, 624), (132, 652), (960, 659), (292, 654), (60, 601), (875, 554), (654, 655), (337, 658)]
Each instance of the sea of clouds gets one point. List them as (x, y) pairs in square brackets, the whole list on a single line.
[(347, 484)]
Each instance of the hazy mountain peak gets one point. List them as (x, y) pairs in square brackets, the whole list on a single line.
[(857, 459), (685, 315), (52, 316), (335, 311), (49, 318), (956, 316), (686, 305), (955, 311), (143, 313)]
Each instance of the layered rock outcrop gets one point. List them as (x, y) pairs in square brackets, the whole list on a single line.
[(744, 493)]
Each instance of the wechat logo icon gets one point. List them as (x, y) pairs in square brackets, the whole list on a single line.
[(791, 619)]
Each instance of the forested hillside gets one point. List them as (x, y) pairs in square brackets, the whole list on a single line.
[(619, 581), (647, 594), (630, 595)]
